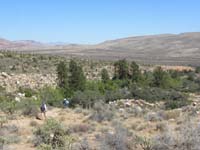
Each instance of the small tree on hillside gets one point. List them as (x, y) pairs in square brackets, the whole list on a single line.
[(160, 77), (62, 75), (197, 70), (121, 69), (77, 79), (135, 72), (104, 75)]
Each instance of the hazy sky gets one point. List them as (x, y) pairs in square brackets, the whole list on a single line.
[(93, 21)]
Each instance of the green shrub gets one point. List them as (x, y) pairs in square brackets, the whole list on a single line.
[(52, 96), (122, 83), (86, 99), (53, 134), (153, 94), (95, 86), (100, 86), (8, 107), (78, 128), (45, 147), (173, 104), (120, 139), (28, 92), (102, 112), (197, 70), (117, 94), (104, 75), (187, 138), (3, 141), (3, 120), (189, 86), (145, 143), (8, 135), (30, 108)]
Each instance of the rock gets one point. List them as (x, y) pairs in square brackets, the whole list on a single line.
[(17, 82), (39, 116), (11, 67), (128, 104), (121, 110), (4, 74), (17, 99), (34, 97), (21, 94), (194, 104), (172, 120), (110, 103)]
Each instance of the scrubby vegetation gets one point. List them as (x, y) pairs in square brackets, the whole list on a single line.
[(129, 82), (121, 106), (53, 135)]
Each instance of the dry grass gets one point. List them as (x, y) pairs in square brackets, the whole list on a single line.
[(81, 126)]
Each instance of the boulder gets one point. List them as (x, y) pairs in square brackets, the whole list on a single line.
[(4, 74), (21, 94), (39, 116), (127, 104), (17, 99)]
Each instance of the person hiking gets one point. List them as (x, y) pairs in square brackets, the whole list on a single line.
[(65, 102), (43, 109)]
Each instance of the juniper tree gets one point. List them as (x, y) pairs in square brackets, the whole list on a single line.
[(62, 75), (104, 75), (121, 69), (135, 71), (77, 79)]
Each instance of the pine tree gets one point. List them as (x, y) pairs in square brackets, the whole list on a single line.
[(135, 72), (159, 77), (104, 75), (62, 75), (77, 79), (121, 69)]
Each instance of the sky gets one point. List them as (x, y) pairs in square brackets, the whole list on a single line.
[(95, 21)]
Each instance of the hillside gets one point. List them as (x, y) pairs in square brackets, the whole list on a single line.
[(138, 109), (171, 49)]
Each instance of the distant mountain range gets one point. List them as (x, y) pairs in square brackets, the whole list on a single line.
[(154, 49)]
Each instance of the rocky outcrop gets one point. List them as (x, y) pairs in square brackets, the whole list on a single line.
[(126, 103), (11, 82)]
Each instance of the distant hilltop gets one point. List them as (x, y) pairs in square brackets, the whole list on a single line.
[(179, 49)]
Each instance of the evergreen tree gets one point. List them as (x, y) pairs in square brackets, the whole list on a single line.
[(104, 75), (63, 78), (135, 72), (77, 79), (159, 77), (121, 69), (62, 75)]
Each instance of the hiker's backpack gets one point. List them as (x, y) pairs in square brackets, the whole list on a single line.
[(65, 102), (43, 108)]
